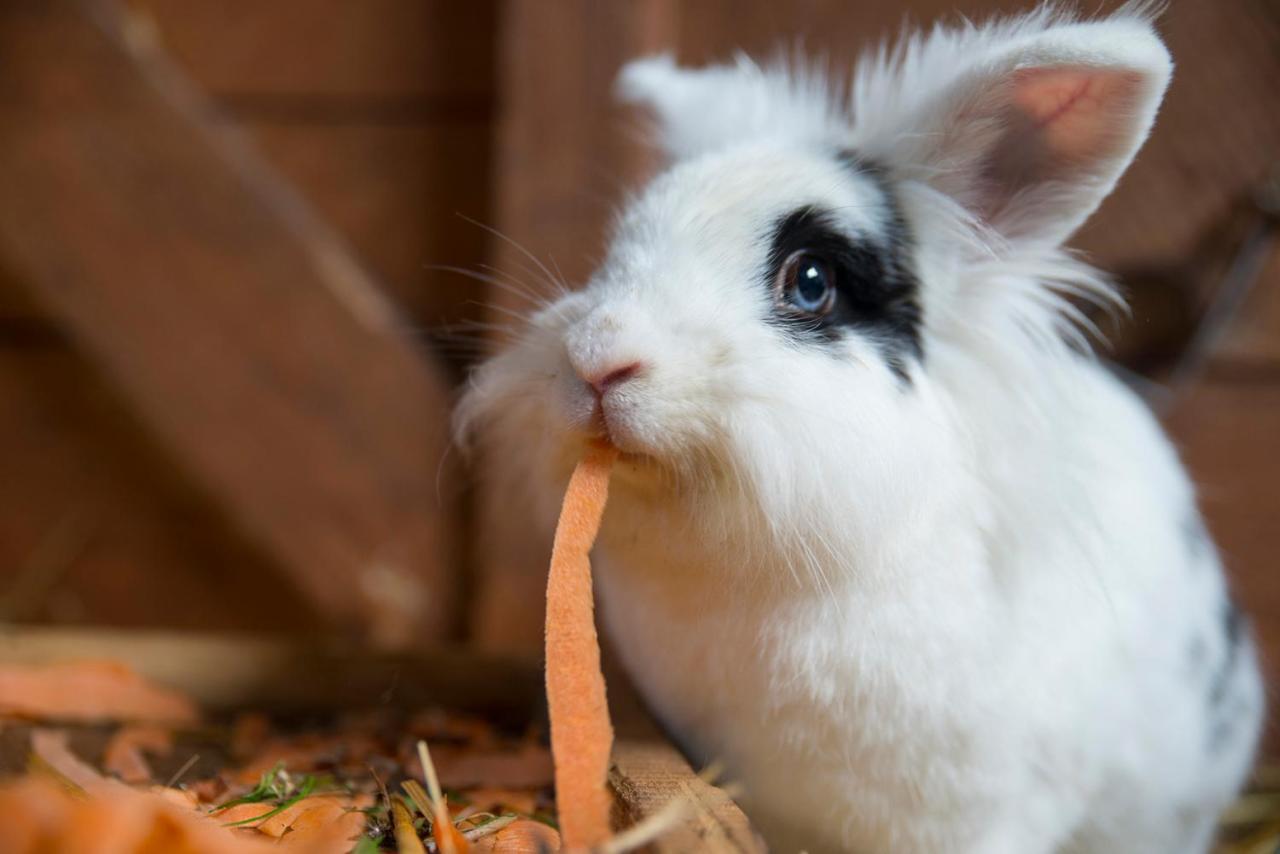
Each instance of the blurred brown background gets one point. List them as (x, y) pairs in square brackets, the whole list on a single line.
[(228, 349)]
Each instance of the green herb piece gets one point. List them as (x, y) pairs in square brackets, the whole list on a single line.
[(368, 845), (272, 786), (308, 786)]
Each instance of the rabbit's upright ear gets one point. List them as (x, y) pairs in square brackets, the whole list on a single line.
[(704, 109), (1028, 124)]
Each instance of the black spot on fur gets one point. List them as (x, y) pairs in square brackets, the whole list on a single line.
[(1224, 708), (877, 291), (1199, 545), (1233, 635)]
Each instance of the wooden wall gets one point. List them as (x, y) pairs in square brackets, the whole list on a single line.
[(379, 113)]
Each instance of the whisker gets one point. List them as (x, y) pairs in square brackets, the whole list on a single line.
[(557, 288), (551, 279), (511, 286)]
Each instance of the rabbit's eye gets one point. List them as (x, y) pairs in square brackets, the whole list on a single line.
[(807, 282)]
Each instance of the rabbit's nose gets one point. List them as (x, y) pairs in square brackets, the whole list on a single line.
[(606, 379)]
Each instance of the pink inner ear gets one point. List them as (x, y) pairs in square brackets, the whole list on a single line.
[(1077, 111)]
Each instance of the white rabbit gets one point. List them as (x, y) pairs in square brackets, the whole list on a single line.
[(884, 538)]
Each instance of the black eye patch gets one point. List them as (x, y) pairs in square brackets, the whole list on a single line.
[(876, 291)]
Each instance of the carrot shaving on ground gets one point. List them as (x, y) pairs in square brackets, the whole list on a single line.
[(89, 691), (329, 825), (523, 836), (581, 733), (288, 819), (90, 809), (39, 817), (123, 755), (51, 754)]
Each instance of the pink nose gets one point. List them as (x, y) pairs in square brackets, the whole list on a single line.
[(613, 376)]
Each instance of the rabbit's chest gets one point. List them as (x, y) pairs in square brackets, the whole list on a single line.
[(809, 703), (836, 687)]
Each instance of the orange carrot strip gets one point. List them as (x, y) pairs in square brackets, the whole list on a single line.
[(581, 733), (331, 830), (522, 836), (36, 816), (89, 691), (52, 747)]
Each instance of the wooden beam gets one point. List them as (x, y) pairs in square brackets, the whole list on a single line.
[(237, 326), (565, 151)]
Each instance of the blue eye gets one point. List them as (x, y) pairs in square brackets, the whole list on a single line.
[(807, 283)]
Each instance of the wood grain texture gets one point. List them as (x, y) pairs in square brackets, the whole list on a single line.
[(245, 337), (405, 50), (402, 196), (98, 527), (379, 112), (235, 672)]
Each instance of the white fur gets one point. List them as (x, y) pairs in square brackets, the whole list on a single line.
[(966, 614)]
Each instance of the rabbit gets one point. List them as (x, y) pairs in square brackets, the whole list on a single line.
[(885, 538)]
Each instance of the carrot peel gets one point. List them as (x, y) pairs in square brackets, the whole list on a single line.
[(581, 732)]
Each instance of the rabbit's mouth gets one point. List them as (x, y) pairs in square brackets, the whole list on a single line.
[(637, 460), (612, 422), (598, 432)]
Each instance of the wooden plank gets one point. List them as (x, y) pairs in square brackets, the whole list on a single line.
[(428, 50), (389, 136), (96, 527), (236, 325), (562, 158), (224, 672), (398, 194)]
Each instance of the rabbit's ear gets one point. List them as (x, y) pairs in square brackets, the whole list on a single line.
[(1029, 125), (704, 109)]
